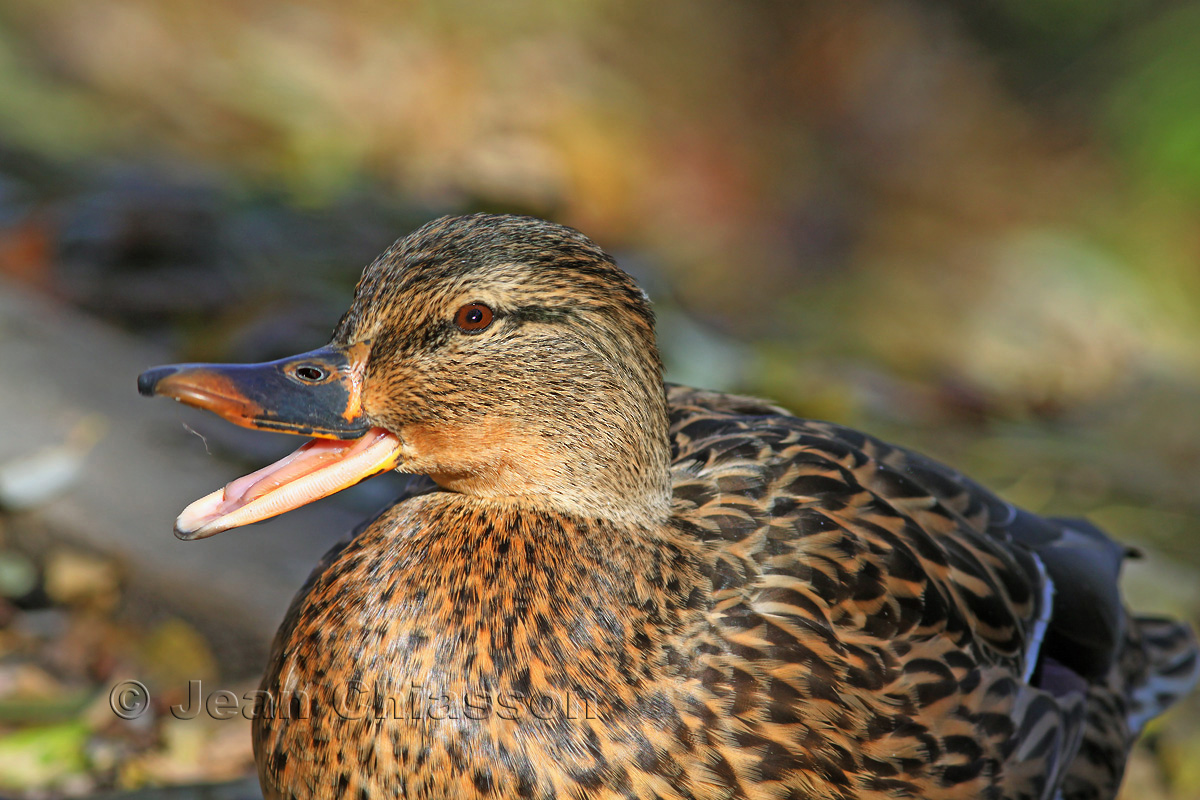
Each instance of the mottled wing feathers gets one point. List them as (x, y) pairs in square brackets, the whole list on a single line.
[(879, 522), (878, 619), (1076, 563)]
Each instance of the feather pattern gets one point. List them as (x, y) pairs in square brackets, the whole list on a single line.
[(618, 589), (825, 616)]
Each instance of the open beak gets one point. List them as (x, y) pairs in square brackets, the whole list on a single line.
[(313, 394)]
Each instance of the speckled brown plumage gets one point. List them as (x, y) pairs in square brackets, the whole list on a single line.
[(706, 596)]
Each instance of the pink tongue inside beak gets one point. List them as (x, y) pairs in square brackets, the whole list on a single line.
[(317, 469)]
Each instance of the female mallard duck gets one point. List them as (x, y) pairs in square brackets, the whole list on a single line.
[(616, 590)]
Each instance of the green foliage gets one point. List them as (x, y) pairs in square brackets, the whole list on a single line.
[(1154, 109)]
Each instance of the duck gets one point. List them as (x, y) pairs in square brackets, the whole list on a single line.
[(606, 586)]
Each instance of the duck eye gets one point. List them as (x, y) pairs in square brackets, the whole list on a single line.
[(473, 317), (310, 373)]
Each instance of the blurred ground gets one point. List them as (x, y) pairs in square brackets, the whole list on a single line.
[(970, 227)]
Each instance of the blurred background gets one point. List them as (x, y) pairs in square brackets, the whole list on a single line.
[(968, 226)]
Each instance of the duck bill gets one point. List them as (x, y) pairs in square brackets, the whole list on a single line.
[(318, 393), (314, 394), (318, 469)]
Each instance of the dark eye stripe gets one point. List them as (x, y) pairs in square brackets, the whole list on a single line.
[(538, 314)]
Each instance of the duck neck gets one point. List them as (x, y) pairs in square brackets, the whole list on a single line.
[(611, 456), (605, 455)]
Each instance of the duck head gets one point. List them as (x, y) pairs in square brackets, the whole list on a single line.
[(505, 357)]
